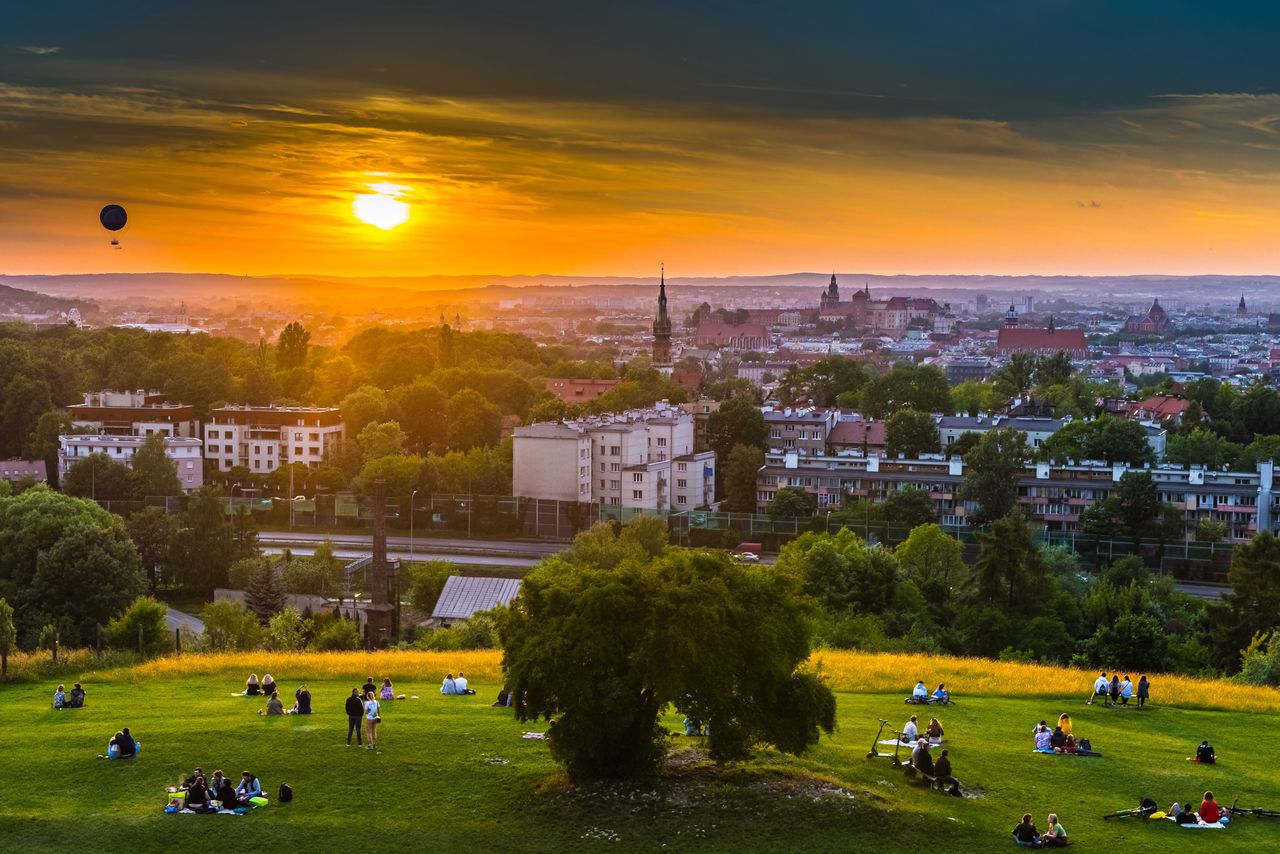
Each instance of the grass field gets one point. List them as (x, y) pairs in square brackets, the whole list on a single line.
[(452, 773)]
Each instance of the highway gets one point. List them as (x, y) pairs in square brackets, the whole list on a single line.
[(462, 559)]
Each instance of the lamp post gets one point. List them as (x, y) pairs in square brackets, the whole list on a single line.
[(411, 497), (234, 487)]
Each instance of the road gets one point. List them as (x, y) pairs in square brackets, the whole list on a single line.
[(343, 553)]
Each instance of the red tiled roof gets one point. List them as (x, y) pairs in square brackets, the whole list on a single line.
[(858, 433), (1159, 408), (576, 391), (1026, 338)]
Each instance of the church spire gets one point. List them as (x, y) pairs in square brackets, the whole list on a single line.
[(662, 326)]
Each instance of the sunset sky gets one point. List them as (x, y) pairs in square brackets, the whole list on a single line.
[(1034, 136)]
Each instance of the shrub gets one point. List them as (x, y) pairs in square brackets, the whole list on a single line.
[(228, 626), (341, 635), (287, 631), (145, 615), (426, 582)]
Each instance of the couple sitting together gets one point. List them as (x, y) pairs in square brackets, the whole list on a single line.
[(455, 685)]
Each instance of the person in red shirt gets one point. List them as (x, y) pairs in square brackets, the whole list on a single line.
[(1210, 812)]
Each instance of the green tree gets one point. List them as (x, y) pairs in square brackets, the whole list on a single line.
[(1137, 502), (1133, 642), (205, 543), (473, 421), (154, 533), (1016, 377), (100, 478), (738, 473), (687, 629), (8, 637), (842, 572), (426, 582), (287, 631), (145, 615), (1053, 370), (420, 409), (152, 472), (908, 507), (1010, 570), (1253, 605), (1210, 531), (736, 422), (1201, 447), (228, 627), (911, 433), (362, 407), (381, 439), (1262, 448), (291, 346), (43, 443), (22, 402), (791, 502), (920, 387), (400, 471), (973, 397), (993, 468), (265, 595), (931, 556)]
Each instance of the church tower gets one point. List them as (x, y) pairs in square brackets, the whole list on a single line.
[(831, 296), (1241, 310), (1011, 316), (662, 329)]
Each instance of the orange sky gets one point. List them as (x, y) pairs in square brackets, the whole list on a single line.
[(251, 167)]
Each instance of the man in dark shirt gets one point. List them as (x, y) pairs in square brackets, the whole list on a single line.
[(369, 687), (920, 758), (1026, 832), (942, 775), (1205, 753), (355, 711)]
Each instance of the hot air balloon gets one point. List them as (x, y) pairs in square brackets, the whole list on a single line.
[(113, 218)]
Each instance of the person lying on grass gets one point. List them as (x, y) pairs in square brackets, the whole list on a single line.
[(1056, 835), (1025, 833)]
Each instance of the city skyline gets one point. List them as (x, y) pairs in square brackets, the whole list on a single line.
[(588, 140)]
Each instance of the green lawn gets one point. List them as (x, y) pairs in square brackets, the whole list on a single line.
[(454, 773)]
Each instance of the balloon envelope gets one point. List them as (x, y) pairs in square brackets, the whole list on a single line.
[(113, 217)]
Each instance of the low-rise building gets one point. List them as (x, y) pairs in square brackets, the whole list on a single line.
[(579, 391), (1051, 494), (803, 429), (643, 459), (264, 438), (16, 470), (183, 451)]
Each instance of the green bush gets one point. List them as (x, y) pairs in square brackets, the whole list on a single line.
[(426, 581), (287, 631), (145, 615), (340, 636), (479, 632), (228, 626)]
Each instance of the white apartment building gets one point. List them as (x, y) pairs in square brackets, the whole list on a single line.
[(185, 453), (264, 438), (642, 459)]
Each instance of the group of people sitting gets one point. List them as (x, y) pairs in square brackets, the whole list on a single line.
[(1060, 739), (455, 685), (253, 688), (63, 700), (1209, 813), (1026, 833), (911, 731), (385, 691), (920, 694), (938, 773), (1118, 692), (122, 745), (301, 703), (215, 794)]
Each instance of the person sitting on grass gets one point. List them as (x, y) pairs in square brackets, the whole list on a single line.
[(1210, 812), (301, 701), (460, 682), (1043, 737), (1185, 814), (1056, 835), (910, 731), (215, 783), (1026, 834), (1070, 746), (191, 781), (122, 745), (387, 692), (921, 760), (198, 796), (268, 685), (223, 792), (251, 687), (249, 788), (1100, 686), (934, 730), (60, 698), (1058, 741), (1205, 754), (920, 693), (449, 686), (368, 687), (75, 699), (942, 696), (274, 706), (1126, 690)]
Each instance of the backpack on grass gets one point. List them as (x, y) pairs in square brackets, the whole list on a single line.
[(286, 793)]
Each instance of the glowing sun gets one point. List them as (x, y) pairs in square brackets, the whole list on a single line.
[(381, 208)]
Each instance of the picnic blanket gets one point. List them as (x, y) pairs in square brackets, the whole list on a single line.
[(1203, 825), (1077, 753), (893, 741)]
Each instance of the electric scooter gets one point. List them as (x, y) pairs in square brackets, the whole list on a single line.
[(875, 745)]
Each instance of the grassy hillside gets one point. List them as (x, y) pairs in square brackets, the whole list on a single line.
[(456, 769)]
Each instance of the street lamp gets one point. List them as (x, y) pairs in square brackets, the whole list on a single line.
[(411, 497)]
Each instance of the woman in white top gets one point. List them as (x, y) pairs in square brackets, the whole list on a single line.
[(371, 719)]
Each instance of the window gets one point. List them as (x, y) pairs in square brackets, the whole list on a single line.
[(662, 441), (602, 484), (681, 484), (614, 466), (636, 493), (191, 465), (602, 467), (315, 437), (615, 484), (613, 450), (257, 464), (680, 499), (297, 451), (775, 434), (680, 466), (637, 477)]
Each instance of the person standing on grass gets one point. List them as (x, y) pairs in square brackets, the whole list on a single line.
[(1144, 690), (371, 721), (1099, 689), (355, 711)]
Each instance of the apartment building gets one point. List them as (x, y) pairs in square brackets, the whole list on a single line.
[(264, 438), (182, 450), (134, 413), (801, 429), (642, 459), (1054, 495), (1037, 430)]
